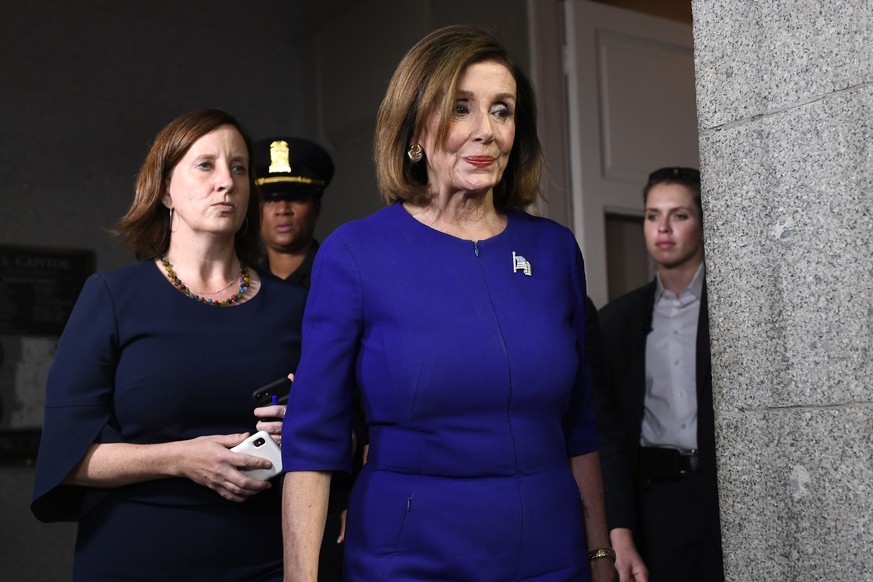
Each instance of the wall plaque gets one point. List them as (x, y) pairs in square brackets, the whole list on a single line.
[(38, 289)]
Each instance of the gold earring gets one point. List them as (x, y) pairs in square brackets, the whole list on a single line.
[(415, 153)]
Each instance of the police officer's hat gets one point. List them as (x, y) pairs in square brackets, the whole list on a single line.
[(290, 167)]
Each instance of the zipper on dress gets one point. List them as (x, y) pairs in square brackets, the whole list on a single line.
[(476, 247)]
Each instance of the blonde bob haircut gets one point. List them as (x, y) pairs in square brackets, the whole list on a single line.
[(426, 82), (145, 228)]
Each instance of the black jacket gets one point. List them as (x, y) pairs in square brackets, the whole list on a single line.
[(625, 324)]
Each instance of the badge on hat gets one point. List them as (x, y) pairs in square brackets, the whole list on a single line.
[(279, 152), (290, 167)]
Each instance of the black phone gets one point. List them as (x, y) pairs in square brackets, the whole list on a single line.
[(263, 396)]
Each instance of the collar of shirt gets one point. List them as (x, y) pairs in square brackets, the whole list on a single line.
[(691, 293)]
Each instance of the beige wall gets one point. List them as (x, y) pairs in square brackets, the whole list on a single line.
[(673, 9)]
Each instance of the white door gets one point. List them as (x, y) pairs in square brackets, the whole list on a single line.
[(632, 109)]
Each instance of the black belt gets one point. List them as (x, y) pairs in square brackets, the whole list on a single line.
[(665, 464)]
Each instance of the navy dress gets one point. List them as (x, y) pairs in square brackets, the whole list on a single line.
[(139, 362), (474, 395)]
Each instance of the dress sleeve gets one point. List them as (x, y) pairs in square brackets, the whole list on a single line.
[(316, 432), (78, 408), (580, 423)]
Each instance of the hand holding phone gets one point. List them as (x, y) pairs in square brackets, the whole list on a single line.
[(261, 444)]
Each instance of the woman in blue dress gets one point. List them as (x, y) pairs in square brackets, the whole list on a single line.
[(461, 319), (154, 373)]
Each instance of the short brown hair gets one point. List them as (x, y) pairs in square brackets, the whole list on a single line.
[(425, 82), (145, 228)]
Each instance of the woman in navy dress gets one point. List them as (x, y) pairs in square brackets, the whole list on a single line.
[(154, 373), (461, 319)]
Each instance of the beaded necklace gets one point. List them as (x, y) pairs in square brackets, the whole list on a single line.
[(243, 285)]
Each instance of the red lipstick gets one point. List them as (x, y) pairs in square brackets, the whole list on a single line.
[(479, 161)]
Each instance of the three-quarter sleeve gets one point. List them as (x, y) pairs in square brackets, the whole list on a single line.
[(316, 433), (580, 423), (78, 408)]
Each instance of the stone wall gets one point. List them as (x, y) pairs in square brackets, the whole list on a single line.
[(785, 95)]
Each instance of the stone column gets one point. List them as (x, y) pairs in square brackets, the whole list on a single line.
[(785, 111)]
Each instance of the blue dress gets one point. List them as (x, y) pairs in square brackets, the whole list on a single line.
[(139, 362), (473, 391)]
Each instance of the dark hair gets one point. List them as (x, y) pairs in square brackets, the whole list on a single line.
[(426, 82), (145, 228), (688, 177)]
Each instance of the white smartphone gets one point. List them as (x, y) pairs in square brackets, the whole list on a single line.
[(261, 444)]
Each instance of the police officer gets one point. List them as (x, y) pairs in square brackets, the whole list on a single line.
[(292, 174)]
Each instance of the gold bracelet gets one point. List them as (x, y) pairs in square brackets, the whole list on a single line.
[(602, 553)]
